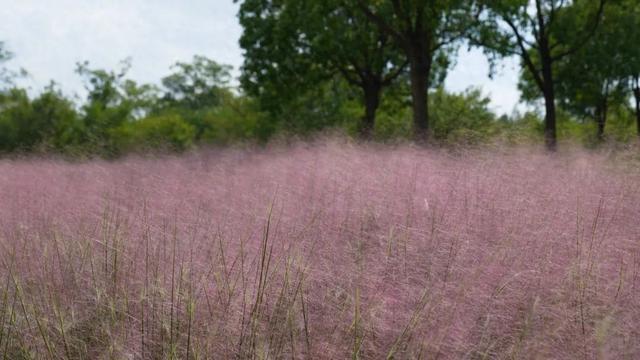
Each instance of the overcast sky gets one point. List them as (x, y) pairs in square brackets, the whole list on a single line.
[(49, 36)]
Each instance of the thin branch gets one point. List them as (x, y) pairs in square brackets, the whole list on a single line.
[(542, 26), (584, 41), (382, 24), (346, 73), (398, 10), (394, 74), (525, 54)]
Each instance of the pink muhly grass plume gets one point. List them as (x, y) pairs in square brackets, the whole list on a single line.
[(327, 250)]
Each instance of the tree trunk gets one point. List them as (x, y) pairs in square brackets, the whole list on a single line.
[(419, 71), (550, 137), (601, 119), (636, 95), (372, 91)]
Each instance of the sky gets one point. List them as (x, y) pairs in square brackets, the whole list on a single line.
[(48, 37)]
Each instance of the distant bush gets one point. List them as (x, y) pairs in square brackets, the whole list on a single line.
[(462, 117), (195, 106), (49, 122), (15, 124), (170, 132), (455, 118), (236, 120)]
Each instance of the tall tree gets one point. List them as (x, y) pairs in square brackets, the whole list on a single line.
[(292, 45), (629, 23), (112, 100), (525, 28), (194, 89), (270, 38), (635, 85), (426, 31), (595, 76), (342, 40), (199, 84)]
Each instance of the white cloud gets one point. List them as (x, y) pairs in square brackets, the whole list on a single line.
[(49, 37)]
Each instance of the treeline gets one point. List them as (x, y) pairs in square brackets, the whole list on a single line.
[(371, 69), (582, 55), (193, 104)]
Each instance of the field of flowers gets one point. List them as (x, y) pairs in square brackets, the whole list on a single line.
[(322, 251)]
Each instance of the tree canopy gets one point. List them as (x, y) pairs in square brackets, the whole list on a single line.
[(370, 69), (526, 29)]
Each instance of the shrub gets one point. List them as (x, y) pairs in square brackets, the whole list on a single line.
[(170, 132)]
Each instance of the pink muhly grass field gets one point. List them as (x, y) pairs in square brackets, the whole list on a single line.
[(322, 251)]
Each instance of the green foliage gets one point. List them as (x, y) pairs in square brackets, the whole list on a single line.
[(428, 33), (362, 67), (7, 76), (462, 118), (292, 46), (49, 122), (394, 124), (434, 27), (56, 122), (272, 41), (195, 90), (329, 104), (621, 124), (521, 128), (112, 101), (594, 73), (15, 114), (530, 30), (458, 118), (596, 76), (197, 85), (239, 119), (169, 132), (120, 116)]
